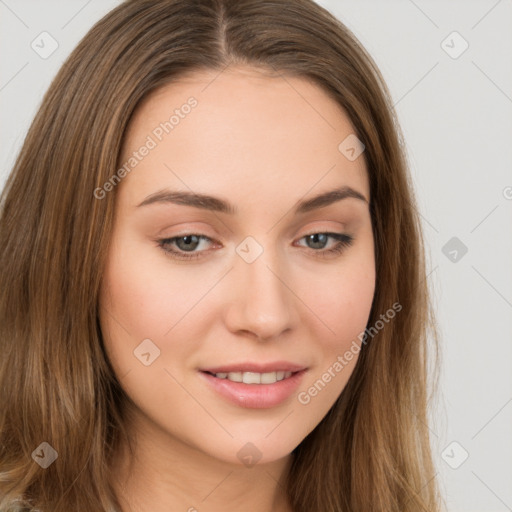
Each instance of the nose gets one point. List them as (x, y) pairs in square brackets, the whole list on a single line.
[(261, 300)]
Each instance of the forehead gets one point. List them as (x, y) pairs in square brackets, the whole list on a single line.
[(247, 130)]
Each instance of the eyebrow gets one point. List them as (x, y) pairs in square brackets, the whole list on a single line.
[(207, 202)]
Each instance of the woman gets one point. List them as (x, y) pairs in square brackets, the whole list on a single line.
[(195, 169)]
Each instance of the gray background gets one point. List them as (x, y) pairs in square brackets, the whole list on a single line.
[(456, 115)]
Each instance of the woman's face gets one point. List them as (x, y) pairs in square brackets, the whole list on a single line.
[(255, 280)]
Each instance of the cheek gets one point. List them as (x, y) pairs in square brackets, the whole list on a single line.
[(135, 306), (342, 305), (344, 300), (343, 296), (142, 296), (134, 303)]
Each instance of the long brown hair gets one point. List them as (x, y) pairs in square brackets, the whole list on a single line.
[(371, 452)]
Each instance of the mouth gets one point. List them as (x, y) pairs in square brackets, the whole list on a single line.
[(254, 389)]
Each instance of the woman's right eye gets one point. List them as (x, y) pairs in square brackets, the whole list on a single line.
[(186, 245)]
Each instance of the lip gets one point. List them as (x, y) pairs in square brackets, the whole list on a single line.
[(254, 396), (256, 367)]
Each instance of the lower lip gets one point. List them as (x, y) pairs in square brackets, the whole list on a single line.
[(255, 396)]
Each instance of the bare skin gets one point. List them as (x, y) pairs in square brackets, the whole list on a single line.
[(263, 144)]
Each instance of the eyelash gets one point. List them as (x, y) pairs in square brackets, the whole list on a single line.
[(344, 241)]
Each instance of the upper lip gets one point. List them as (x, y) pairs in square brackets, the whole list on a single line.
[(256, 367)]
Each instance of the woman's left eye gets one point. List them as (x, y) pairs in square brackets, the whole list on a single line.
[(322, 239), (184, 247)]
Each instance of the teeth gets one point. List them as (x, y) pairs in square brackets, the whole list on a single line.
[(254, 378), (235, 376)]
